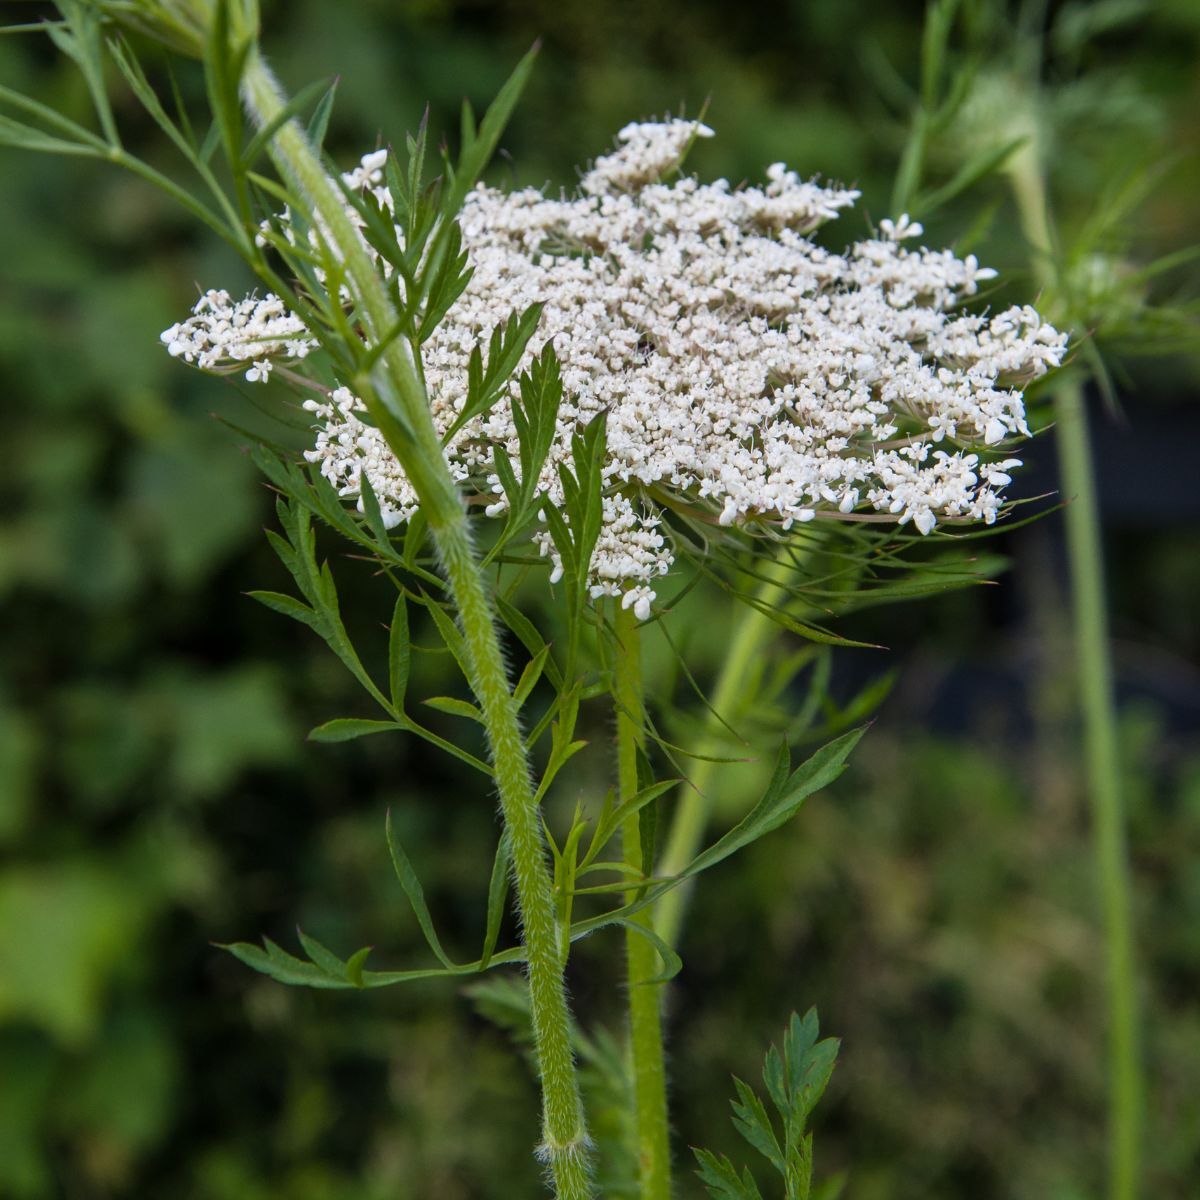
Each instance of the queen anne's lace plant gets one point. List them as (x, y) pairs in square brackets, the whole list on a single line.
[(744, 370)]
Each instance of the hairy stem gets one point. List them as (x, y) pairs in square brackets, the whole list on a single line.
[(1126, 1088), (693, 809), (565, 1145), (645, 994), (405, 419)]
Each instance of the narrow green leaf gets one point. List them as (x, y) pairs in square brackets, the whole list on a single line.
[(26, 137), (564, 542), (273, 467), (972, 171), (939, 18), (414, 539), (617, 868), (485, 383), (324, 958), (222, 70), (782, 799), (775, 1079), (814, 633), (455, 707), (212, 139), (81, 41), (30, 27), (753, 1123), (288, 605), (444, 285), (282, 967), (416, 153), (721, 1179), (558, 760), (859, 708), (399, 654), (49, 116), (372, 512), (477, 149), (528, 636), (415, 893), (535, 416), (451, 636), (344, 729), (961, 82), (354, 966), (530, 675), (809, 1063), (497, 897), (131, 69), (466, 124), (318, 123), (285, 968)]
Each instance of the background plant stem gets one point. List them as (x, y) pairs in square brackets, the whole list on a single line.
[(564, 1142), (645, 996), (693, 809), (1097, 703)]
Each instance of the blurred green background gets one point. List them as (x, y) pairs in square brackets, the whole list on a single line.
[(157, 793)]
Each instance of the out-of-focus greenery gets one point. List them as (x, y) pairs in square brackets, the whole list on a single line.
[(156, 793)]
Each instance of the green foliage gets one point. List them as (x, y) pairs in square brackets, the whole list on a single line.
[(785, 793), (795, 1080), (576, 527), (486, 384)]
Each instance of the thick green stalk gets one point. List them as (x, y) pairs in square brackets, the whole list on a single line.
[(693, 808), (645, 995), (565, 1145), (1101, 742), (413, 438)]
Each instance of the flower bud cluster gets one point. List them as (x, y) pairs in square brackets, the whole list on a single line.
[(744, 371)]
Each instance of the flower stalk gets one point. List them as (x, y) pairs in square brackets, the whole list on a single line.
[(397, 397), (643, 968), (1126, 1088)]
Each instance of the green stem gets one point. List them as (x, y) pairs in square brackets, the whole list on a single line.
[(1126, 1088), (1104, 779), (645, 993), (694, 806), (404, 417), (565, 1146)]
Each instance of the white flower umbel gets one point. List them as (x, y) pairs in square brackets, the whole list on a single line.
[(743, 370), (222, 335)]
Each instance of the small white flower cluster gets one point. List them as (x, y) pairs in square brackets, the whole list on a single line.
[(221, 333), (743, 370)]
